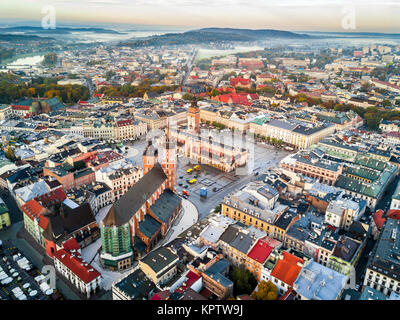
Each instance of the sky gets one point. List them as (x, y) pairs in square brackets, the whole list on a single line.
[(295, 15)]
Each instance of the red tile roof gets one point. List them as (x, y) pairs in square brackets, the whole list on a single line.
[(17, 107), (163, 295), (191, 278), (287, 269), (71, 244), (261, 251), (122, 123), (53, 197), (394, 214), (77, 265), (239, 80)]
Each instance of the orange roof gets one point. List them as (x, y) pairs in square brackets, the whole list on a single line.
[(287, 269), (34, 210)]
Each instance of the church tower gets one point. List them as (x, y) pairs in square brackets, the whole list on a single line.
[(150, 157), (194, 118), (170, 160)]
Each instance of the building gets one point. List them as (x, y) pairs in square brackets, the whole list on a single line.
[(135, 286), (160, 265), (383, 267), (6, 112), (395, 204), (65, 223), (255, 206), (35, 221), (213, 269), (82, 275), (119, 179), (300, 136), (259, 253), (342, 211), (286, 271), (316, 282), (235, 245), (311, 164), (139, 219), (4, 216), (389, 126), (207, 150)]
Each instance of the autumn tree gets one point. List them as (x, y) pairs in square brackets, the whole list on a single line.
[(265, 291)]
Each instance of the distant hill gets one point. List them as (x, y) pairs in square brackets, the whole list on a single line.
[(257, 33), (23, 38), (209, 35), (62, 30)]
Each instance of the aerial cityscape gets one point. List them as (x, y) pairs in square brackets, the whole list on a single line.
[(161, 152)]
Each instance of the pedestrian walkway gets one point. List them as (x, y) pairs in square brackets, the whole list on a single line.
[(185, 220)]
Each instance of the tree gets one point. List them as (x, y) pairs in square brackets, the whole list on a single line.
[(10, 154), (244, 281), (386, 103), (265, 291), (110, 74), (188, 96)]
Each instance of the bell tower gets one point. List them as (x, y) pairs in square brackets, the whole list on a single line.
[(170, 160), (194, 118), (150, 157)]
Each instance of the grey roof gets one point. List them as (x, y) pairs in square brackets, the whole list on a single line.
[(217, 270), (166, 205), (242, 242), (160, 258), (385, 257), (230, 233), (345, 249), (149, 226), (136, 285), (285, 219), (283, 124)]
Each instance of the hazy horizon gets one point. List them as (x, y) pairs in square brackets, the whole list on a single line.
[(291, 15)]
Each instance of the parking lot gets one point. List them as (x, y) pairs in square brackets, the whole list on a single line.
[(18, 279)]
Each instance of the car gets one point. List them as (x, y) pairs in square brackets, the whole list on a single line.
[(180, 184), (185, 186)]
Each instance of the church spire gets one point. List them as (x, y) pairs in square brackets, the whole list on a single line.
[(169, 162)]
